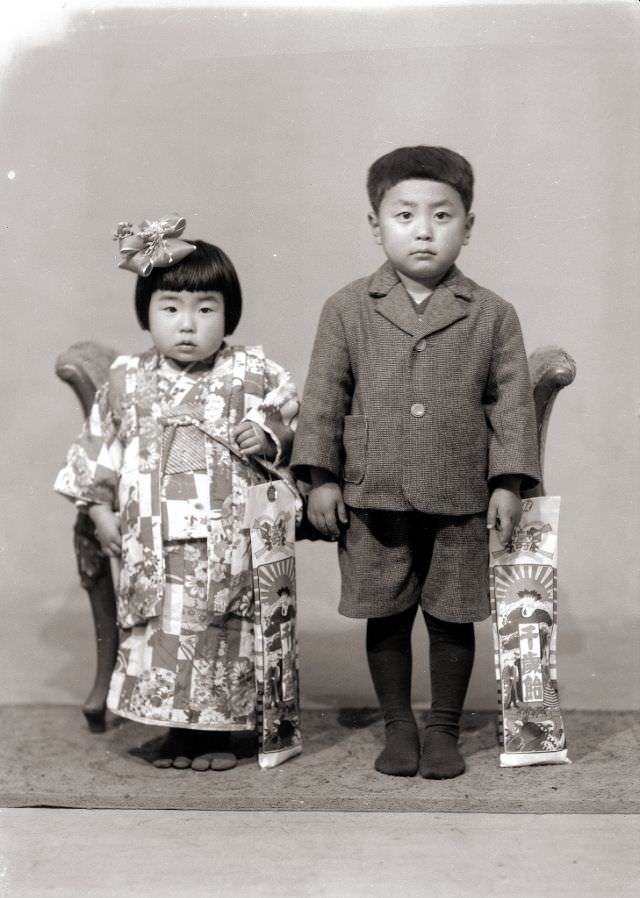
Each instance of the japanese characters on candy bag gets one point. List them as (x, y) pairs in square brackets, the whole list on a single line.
[(524, 608), (271, 514)]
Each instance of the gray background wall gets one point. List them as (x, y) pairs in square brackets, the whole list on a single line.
[(258, 128)]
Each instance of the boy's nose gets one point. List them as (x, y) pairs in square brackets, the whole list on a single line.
[(424, 230)]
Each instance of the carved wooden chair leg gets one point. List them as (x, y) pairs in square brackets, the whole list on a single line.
[(95, 576)]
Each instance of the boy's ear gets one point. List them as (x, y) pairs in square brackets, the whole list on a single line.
[(468, 226), (375, 226)]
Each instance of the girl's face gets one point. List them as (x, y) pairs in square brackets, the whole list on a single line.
[(187, 327)]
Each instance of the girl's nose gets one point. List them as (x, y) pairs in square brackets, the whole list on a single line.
[(187, 324)]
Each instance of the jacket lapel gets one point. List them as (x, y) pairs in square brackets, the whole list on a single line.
[(391, 300), (396, 308), (448, 303), (444, 308)]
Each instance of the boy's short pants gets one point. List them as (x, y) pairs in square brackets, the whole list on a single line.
[(391, 560)]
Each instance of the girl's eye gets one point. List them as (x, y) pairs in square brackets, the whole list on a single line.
[(170, 309), (207, 310)]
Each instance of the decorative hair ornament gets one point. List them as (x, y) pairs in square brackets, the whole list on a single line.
[(153, 245)]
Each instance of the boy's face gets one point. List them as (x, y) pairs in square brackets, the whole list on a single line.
[(422, 226), (187, 326)]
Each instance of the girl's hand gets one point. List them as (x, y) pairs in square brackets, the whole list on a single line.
[(107, 526), (327, 510), (252, 440), (505, 511)]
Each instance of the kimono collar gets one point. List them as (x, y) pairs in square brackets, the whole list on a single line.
[(447, 304)]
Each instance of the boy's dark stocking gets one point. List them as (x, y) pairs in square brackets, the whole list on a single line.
[(451, 653), (389, 657)]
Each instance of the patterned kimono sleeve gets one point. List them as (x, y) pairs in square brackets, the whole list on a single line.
[(94, 460), (277, 413)]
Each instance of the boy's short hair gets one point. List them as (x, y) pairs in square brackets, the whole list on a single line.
[(430, 163), (208, 268)]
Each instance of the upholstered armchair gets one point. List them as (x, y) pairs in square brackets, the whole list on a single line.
[(84, 366)]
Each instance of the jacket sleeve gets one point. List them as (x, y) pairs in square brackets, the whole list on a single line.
[(326, 400), (91, 472), (277, 413), (509, 407)]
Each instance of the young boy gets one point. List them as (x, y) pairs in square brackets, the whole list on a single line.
[(417, 433)]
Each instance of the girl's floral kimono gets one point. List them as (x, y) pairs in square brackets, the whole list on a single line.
[(157, 447)]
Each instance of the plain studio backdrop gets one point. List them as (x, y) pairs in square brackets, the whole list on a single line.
[(258, 125)]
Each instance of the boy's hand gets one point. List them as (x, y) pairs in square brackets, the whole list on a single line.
[(327, 510), (107, 526), (252, 440), (505, 511)]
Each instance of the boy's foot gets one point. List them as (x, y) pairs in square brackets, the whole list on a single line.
[(402, 749), (441, 758)]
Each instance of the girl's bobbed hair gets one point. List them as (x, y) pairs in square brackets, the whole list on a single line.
[(208, 268)]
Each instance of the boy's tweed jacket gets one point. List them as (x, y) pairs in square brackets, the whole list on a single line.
[(409, 415)]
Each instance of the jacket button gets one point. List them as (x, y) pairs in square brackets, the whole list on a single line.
[(417, 409), (420, 345)]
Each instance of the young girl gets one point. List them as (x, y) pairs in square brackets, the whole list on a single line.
[(162, 466)]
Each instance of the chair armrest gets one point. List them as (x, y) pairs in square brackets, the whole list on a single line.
[(551, 369), (85, 367)]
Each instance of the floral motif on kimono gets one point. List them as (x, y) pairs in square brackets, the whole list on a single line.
[(123, 458)]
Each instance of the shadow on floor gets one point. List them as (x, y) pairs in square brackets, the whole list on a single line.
[(49, 758)]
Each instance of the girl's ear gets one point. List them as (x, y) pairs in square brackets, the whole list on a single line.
[(375, 226)]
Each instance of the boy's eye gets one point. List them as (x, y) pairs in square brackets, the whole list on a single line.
[(404, 216), (442, 216)]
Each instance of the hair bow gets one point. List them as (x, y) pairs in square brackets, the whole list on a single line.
[(153, 245)]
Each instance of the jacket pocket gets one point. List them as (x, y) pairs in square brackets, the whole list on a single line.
[(355, 448)]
